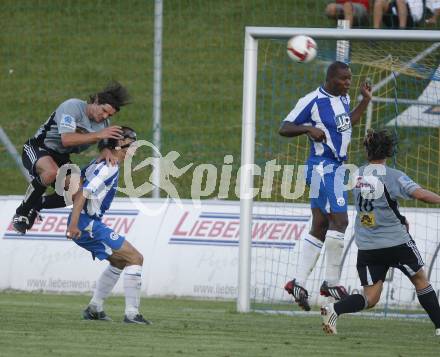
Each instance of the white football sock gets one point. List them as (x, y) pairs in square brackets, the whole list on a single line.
[(104, 286), (132, 288), (309, 254), (334, 247)]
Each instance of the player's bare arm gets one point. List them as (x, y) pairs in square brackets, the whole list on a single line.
[(357, 112), (107, 155), (76, 139), (291, 130), (427, 196), (73, 231)]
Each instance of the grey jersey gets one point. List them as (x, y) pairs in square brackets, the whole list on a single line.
[(69, 117), (379, 223)]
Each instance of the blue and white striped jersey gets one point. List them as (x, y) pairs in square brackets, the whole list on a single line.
[(329, 113), (99, 187)]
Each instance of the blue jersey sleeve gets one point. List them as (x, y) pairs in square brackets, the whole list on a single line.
[(97, 177), (302, 113)]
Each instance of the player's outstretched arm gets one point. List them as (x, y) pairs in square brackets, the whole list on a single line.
[(290, 130), (425, 195), (73, 231), (76, 139), (357, 112)]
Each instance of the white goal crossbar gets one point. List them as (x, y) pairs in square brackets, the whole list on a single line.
[(252, 35)]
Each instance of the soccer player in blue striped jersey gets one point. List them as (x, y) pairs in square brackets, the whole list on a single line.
[(85, 227), (324, 115), (382, 234)]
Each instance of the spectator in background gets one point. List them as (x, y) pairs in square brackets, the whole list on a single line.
[(355, 11), (394, 14), (431, 12), (405, 13)]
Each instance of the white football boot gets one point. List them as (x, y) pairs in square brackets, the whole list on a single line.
[(329, 318)]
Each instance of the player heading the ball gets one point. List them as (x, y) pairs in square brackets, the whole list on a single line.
[(324, 115)]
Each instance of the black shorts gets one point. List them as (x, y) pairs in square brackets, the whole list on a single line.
[(372, 265), (391, 20), (32, 152)]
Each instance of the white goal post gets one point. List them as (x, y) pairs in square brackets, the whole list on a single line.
[(252, 35)]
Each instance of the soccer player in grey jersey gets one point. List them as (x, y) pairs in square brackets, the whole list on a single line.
[(381, 234), (72, 128)]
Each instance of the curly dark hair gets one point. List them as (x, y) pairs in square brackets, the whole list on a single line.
[(379, 144), (114, 94)]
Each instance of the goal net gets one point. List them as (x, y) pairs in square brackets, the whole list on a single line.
[(403, 68)]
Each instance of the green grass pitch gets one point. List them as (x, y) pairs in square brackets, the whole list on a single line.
[(51, 325)]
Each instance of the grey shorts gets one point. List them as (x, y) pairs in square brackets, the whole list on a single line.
[(360, 13)]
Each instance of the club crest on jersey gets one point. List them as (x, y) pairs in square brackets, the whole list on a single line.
[(367, 219), (68, 122), (67, 119), (114, 236), (343, 122), (340, 201)]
